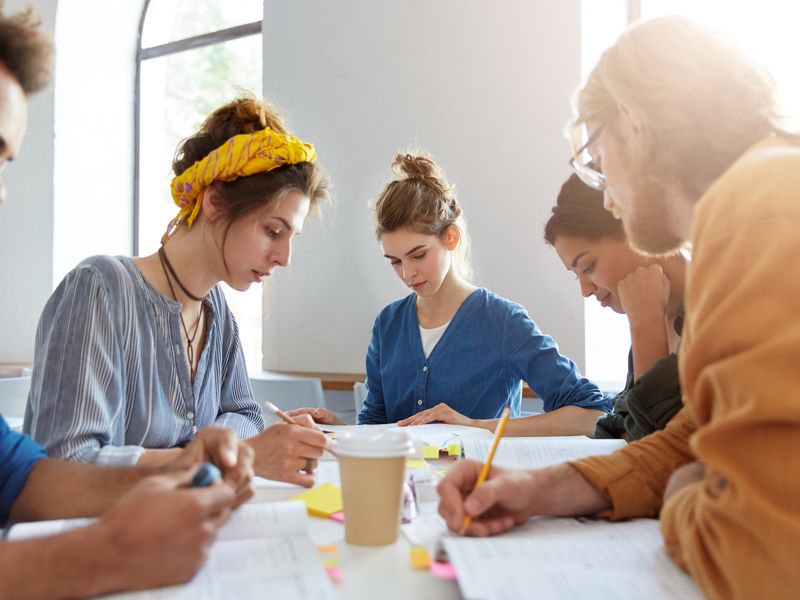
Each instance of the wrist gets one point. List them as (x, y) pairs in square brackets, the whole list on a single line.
[(490, 424), (102, 569)]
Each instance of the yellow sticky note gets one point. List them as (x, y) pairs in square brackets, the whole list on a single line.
[(333, 561), (430, 452), (420, 559), (454, 449), (322, 501), (416, 464)]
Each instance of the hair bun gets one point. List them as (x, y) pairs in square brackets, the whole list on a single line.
[(422, 168)]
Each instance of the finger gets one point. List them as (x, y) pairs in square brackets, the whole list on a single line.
[(214, 499), (483, 498), (304, 463), (310, 437), (306, 420), (300, 478), (221, 447), (451, 505), (174, 479), (296, 412)]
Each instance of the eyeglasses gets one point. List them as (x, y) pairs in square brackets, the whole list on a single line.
[(583, 163)]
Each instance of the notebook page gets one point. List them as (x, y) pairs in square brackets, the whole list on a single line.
[(270, 519), (287, 568), (537, 452), (564, 558)]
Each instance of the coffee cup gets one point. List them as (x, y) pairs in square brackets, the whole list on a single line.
[(372, 464)]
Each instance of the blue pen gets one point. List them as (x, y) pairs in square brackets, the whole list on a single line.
[(206, 475)]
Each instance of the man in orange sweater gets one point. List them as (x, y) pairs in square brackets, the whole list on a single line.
[(681, 131)]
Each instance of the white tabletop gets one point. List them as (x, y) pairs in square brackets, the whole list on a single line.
[(382, 572)]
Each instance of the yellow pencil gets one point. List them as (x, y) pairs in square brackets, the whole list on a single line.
[(498, 433)]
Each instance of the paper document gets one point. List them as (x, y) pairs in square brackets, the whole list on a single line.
[(264, 551), (564, 558), (537, 452), (327, 471), (439, 435)]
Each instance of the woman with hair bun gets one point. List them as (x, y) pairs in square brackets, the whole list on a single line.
[(135, 355), (451, 351)]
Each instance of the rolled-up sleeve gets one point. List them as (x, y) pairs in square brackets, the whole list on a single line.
[(534, 357)]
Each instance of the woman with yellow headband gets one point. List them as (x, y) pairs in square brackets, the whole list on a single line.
[(135, 355)]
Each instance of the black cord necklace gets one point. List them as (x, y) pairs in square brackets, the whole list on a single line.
[(168, 270)]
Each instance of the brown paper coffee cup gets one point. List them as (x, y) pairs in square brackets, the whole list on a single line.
[(372, 466)]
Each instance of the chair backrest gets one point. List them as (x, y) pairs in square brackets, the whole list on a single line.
[(14, 395), (359, 395), (287, 393)]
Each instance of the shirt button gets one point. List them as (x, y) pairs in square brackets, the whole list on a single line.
[(419, 402), (194, 429), (190, 415), (425, 369)]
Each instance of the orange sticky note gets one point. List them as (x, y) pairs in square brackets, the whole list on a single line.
[(329, 549), (322, 501)]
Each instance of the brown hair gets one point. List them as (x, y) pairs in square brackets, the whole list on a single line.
[(424, 202), (579, 213), (701, 101), (252, 192), (25, 50)]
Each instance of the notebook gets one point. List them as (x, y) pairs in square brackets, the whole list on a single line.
[(538, 452), (569, 558), (263, 551)]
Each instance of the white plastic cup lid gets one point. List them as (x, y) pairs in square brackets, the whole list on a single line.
[(373, 443)]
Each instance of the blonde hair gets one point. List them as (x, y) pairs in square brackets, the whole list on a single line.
[(700, 100), (423, 201)]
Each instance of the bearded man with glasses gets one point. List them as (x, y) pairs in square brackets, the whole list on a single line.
[(681, 132)]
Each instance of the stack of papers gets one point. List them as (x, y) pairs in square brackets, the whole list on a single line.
[(538, 452)]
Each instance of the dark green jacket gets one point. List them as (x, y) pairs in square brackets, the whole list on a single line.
[(648, 404)]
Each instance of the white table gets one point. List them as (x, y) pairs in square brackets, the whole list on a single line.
[(380, 572)]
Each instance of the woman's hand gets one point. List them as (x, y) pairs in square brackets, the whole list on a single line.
[(441, 413), (644, 293), (283, 452), (319, 415)]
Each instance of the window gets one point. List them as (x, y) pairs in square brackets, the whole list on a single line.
[(194, 56), (607, 334)]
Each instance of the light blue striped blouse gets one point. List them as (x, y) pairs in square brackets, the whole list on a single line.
[(110, 376)]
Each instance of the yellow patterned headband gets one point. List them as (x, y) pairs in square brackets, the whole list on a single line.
[(242, 155)]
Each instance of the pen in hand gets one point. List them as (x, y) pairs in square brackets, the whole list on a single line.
[(287, 419), (484, 473)]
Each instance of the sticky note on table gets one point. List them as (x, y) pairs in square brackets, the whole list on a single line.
[(335, 573), (416, 464), (338, 517), (443, 570), (430, 452), (420, 559), (322, 501), (454, 449)]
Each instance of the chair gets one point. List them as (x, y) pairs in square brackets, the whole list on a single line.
[(14, 395), (286, 392), (360, 391)]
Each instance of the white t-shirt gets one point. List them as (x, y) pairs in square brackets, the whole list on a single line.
[(430, 337)]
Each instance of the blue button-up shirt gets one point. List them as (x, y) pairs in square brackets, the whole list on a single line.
[(490, 346)]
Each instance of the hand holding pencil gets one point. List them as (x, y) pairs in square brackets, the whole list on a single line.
[(478, 499)]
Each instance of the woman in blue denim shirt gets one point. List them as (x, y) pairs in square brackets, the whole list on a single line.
[(449, 344)]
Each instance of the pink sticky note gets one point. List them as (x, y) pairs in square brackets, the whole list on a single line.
[(339, 517), (335, 573), (443, 570)]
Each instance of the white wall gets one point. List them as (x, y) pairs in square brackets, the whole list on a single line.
[(484, 86), (26, 221), (81, 146)]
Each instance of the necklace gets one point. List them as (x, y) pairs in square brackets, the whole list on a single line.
[(162, 254), (189, 338)]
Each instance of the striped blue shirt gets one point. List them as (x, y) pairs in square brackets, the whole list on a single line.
[(110, 377)]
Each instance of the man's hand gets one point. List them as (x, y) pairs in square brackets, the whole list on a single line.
[(682, 476), (319, 415), (502, 501), (283, 450), (159, 533), (441, 413), (223, 448)]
